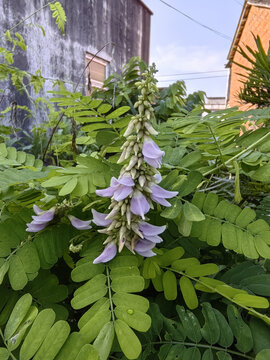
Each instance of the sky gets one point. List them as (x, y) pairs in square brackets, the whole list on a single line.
[(179, 45)]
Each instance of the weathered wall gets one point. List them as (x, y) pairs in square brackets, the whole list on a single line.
[(258, 23), (90, 25)]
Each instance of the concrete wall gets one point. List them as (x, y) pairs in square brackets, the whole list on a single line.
[(90, 25), (257, 23)]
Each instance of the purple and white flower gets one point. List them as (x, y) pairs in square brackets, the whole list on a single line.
[(144, 248), (79, 224), (152, 153), (108, 254), (119, 189), (159, 195), (139, 204), (99, 218), (40, 221)]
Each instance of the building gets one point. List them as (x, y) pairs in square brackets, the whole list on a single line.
[(215, 103), (121, 28), (254, 20)]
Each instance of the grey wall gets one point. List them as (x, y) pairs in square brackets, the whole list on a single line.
[(90, 25)]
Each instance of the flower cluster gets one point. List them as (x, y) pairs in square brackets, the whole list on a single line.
[(133, 193)]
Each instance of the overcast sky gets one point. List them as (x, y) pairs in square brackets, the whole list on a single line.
[(179, 46)]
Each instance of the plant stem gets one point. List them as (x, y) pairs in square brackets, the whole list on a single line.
[(255, 313), (28, 17), (237, 155), (201, 346), (110, 292), (5, 343)]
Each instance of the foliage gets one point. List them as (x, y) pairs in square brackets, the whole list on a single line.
[(256, 79), (205, 295)]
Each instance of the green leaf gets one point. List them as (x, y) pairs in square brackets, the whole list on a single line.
[(128, 341), (37, 334), (191, 325), (189, 293), (211, 329), (118, 112), (208, 355), (192, 353), (104, 341), (68, 187), (226, 335), (106, 137), (20, 310), (88, 352), (169, 285), (251, 300), (173, 211), (260, 334), (55, 339), (201, 270), (222, 355), (104, 108), (136, 301), (4, 354), (263, 355), (190, 184), (192, 213), (3, 270), (135, 319)]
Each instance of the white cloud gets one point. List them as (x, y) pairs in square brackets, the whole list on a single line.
[(175, 59)]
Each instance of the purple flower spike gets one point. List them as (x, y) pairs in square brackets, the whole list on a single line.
[(152, 153), (35, 227), (79, 224), (159, 195), (99, 219), (148, 253), (139, 205), (119, 188), (108, 254)]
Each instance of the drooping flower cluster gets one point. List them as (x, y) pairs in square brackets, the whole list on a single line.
[(133, 193)]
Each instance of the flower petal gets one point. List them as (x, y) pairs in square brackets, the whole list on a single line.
[(108, 254), (144, 245), (158, 177), (139, 205), (108, 192), (45, 217), (99, 219), (156, 163), (37, 210), (35, 227), (158, 191), (148, 253), (122, 192), (79, 224), (126, 180), (160, 201), (155, 239), (151, 230), (151, 150)]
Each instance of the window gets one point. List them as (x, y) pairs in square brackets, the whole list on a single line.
[(95, 72)]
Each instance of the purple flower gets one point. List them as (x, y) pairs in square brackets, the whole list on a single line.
[(151, 232), (79, 224), (139, 205), (108, 254), (159, 195), (119, 188), (40, 221), (99, 219), (144, 248), (152, 153)]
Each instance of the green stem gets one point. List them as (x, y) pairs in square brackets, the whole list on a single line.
[(217, 145), (249, 309), (110, 292), (28, 17), (200, 346), (5, 343), (237, 155)]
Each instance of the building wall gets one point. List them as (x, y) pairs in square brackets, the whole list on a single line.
[(258, 23), (90, 25)]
